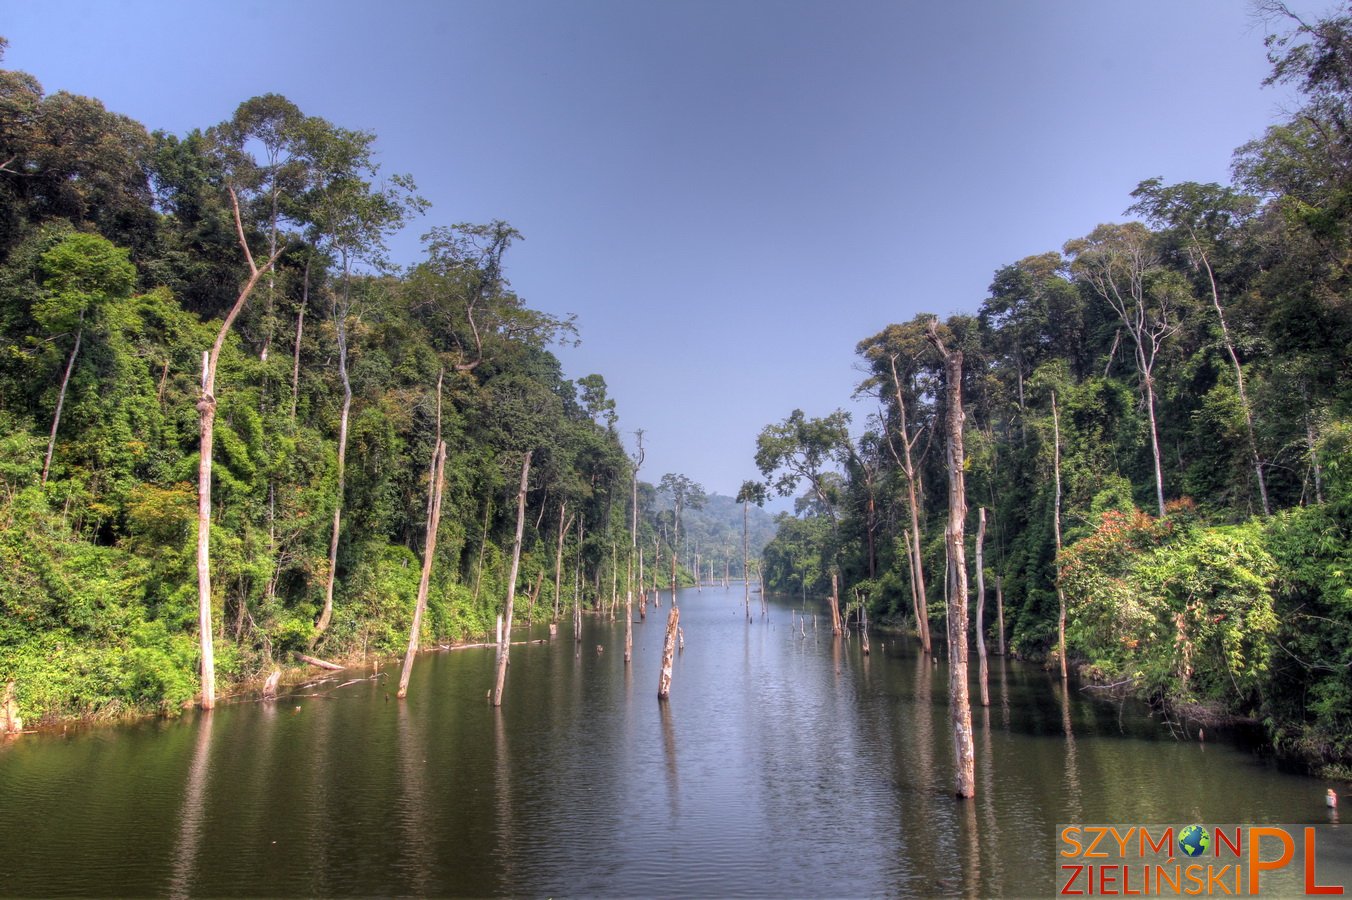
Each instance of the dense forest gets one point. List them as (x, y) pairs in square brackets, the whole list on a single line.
[(204, 328), (1158, 428)]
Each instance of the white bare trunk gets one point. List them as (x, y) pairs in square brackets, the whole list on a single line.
[(504, 648)]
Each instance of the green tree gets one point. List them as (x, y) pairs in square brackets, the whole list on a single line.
[(80, 274)]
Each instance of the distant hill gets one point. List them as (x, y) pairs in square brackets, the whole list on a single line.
[(715, 531)]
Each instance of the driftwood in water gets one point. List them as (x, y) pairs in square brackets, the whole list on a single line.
[(270, 686), (483, 644), (321, 663), (668, 653)]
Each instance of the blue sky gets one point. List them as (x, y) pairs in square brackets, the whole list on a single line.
[(729, 195)]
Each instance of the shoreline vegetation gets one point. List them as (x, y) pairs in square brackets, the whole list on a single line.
[(232, 430)]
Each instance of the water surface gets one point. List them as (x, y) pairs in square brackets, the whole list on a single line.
[(784, 764)]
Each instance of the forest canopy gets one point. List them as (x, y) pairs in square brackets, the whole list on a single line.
[(1158, 423), (129, 259)]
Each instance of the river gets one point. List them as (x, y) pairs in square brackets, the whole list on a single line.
[(785, 763)]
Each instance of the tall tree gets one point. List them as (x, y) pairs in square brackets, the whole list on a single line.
[(1206, 217), (685, 493), (504, 649), (891, 352), (800, 449), (750, 492), (349, 218), (959, 701), (80, 274), (206, 409), (1120, 265), (633, 550), (429, 554)]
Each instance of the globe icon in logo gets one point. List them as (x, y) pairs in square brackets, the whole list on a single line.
[(1193, 840)]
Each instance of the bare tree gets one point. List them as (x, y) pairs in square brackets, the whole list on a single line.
[(206, 410), (429, 551), (959, 703), (505, 647), (1117, 262)]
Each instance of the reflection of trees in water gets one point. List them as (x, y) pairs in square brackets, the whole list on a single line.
[(990, 821), (419, 856), (669, 753), (1074, 798), (972, 862), (193, 812), (503, 800)]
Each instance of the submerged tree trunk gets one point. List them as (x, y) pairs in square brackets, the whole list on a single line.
[(1056, 533), (206, 409), (959, 703), (300, 329), (505, 647), (61, 399), (577, 587), (429, 550), (836, 627), (633, 549), (746, 573), (1259, 465), (668, 652), (981, 606)]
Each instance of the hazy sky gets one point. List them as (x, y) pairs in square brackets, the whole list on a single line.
[(729, 195)]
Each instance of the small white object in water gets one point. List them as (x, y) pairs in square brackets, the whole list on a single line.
[(1331, 799)]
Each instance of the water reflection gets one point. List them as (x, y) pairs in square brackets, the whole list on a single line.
[(1074, 804), (503, 804), (193, 811), (669, 756), (417, 851), (779, 767)]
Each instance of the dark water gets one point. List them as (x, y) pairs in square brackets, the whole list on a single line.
[(782, 765)]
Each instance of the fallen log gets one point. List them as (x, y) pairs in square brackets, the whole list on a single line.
[(321, 663)]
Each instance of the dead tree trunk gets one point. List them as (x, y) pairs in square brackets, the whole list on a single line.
[(668, 653), (913, 502), (505, 648), (633, 549), (340, 320), (1056, 532), (1000, 610), (760, 582), (981, 606), (61, 399), (300, 330), (959, 703), (1259, 464), (206, 409), (746, 573), (429, 550), (558, 559), (836, 627), (577, 587)]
